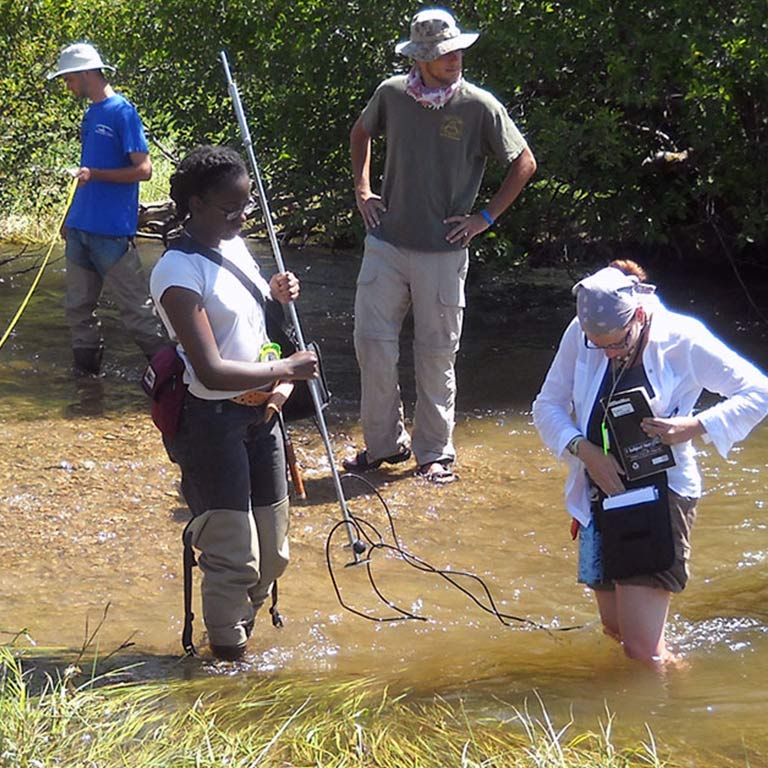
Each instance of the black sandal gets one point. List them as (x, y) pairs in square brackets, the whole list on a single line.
[(361, 464)]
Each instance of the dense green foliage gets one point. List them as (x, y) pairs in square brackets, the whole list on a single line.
[(602, 88)]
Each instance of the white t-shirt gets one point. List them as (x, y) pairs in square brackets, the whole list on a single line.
[(236, 318)]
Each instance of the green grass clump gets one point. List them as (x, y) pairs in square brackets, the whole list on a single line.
[(158, 187), (99, 721)]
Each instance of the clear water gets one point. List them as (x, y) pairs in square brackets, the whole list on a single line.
[(90, 518)]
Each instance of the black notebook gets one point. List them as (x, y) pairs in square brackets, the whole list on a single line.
[(639, 454)]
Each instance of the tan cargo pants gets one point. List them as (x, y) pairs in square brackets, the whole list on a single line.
[(393, 280)]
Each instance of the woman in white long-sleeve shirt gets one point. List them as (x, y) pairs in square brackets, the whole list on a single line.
[(623, 337)]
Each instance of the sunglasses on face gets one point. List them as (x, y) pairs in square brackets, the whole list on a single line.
[(232, 215), (623, 344)]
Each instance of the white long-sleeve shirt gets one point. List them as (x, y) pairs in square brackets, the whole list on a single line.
[(681, 358)]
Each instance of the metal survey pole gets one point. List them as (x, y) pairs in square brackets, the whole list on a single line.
[(358, 547)]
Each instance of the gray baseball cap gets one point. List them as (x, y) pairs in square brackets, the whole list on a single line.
[(434, 32), (78, 57)]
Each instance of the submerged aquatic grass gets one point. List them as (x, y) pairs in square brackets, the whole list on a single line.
[(97, 720)]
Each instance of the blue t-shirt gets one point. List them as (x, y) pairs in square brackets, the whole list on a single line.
[(111, 130)]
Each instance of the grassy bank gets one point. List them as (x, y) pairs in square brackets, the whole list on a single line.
[(33, 216), (67, 718)]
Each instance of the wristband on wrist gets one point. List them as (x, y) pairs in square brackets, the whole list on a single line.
[(487, 216), (573, 445)]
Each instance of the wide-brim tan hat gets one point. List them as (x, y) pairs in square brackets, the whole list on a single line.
[(78, 57), (434, 33)]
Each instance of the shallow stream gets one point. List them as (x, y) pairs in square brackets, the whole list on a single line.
[(90, 520)]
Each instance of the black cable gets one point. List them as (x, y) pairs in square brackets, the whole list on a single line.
[(368, 532), (403, 614)]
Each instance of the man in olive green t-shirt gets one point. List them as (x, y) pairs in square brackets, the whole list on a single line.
[(439, 131)]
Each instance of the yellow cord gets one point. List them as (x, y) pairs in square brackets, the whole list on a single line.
[(54, 240)]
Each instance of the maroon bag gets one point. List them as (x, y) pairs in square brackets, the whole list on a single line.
[(163, 381)]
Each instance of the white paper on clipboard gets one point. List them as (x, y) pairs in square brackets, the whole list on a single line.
[(630, 498)]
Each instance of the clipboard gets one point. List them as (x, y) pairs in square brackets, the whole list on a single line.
[(633, 496), (640, 455)]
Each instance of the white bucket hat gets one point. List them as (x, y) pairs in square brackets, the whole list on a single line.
[(434, 32), (78, 57)]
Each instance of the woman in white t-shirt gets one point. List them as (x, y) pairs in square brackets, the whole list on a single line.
[(231, 457)]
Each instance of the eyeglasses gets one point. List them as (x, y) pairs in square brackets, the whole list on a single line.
[(246, 209), (623, 344)]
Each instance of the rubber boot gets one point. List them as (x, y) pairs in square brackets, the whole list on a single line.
[(87, 360)]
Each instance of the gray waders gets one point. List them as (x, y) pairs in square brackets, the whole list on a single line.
[(242, 555)]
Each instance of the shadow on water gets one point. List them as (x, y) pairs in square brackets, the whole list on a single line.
[(90, 515)]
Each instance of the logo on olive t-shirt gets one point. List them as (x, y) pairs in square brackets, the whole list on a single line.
[(452, 127)]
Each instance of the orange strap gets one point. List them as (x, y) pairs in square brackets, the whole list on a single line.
[(274, 399), (253, 398)]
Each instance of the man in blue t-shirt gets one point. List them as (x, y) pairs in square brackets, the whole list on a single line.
[(101, 223)]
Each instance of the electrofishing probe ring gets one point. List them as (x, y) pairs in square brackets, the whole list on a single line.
[(376, 542), (375, 491), (367, 562)]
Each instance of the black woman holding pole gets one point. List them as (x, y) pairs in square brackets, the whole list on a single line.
[(211, 297)]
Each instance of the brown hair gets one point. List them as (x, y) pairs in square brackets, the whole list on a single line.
[(629, 267)]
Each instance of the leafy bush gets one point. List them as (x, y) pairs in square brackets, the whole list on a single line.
[(648, 120)]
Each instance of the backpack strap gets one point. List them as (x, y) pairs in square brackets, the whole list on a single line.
[(273, 311), (186, 244)]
